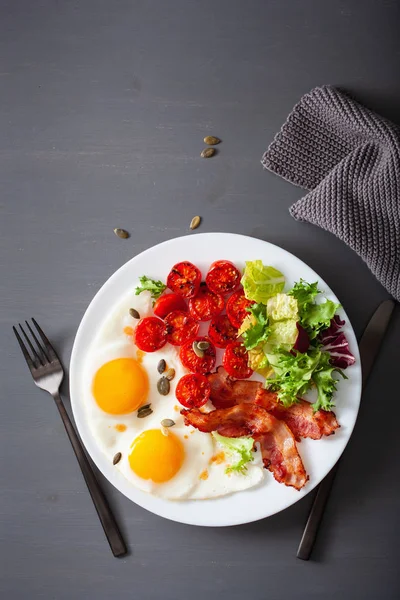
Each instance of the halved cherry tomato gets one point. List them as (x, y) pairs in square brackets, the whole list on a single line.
[(181, 327), (193, 390), (221, 331), (150, 334), (223, 277), (184, 279), (194, 363), (206, 305), (236, 308), (235, 361), (167, 303)]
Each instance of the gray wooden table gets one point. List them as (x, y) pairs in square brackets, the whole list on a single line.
[(103, 109)]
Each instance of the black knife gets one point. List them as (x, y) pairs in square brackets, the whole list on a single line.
[(369, 347)]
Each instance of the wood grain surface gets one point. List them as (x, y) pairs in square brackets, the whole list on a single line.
[(103, 110)]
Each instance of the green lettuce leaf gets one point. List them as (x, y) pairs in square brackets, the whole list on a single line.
[(156, 288), (325, 383), (259, 330), (293, 373), (305, 293), (283, 335), (313, 317), (281, 307), (240, 448), (318, 317), (261, 282)]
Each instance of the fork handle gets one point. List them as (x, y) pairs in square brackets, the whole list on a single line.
[(106, 517)]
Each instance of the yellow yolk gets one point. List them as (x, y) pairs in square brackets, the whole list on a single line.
[(156, 456), (120, 386)]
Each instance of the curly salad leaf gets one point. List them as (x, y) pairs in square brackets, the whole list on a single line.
[(156, 288), (241, 449), (296, 373), (261, 282), (313, 317), (256, 329)]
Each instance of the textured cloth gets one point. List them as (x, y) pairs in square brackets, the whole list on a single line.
[(349, 157)]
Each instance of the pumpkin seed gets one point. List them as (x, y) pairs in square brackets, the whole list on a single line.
[(161, 366), (144, 411), (195, 222), (167, 423), (197, 351), (121, 233), (169, 374), (207, 152), (203, 345), (211, 140), (134, 313), (117, 458), (163, 386)]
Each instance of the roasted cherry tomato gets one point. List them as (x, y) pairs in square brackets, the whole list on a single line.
[(223, 277), (236, 308), (198, 364), (221, 331), (193, 390), (235, 361), (181, 327), (206, 305), (184, 279), (167, 303), (150, 334)]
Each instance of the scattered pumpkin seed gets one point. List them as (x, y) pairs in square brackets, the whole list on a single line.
[(117, 458), (165, 431), (203, 345), (163, 386), (195, 222), (161, 366), (134, 313), (211, 140), (144, 411), (207, 152), (169, 374), (121, 233), (167, 423), (197, 351)]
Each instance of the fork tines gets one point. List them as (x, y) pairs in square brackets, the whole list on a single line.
[(40, 354)]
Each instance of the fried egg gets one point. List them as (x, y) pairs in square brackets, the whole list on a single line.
[(175, 463)]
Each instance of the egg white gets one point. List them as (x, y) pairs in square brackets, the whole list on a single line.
[(199, 477)]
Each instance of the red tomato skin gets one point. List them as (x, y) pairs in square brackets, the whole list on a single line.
[(223, 277), (221, 331), (206, 305), (235, 361), (194, 363), (168, 303), (236, 308), (180, 327), (150, 334), (193, 390), (184, 279)]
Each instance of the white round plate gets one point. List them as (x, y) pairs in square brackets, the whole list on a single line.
[(319, 456)]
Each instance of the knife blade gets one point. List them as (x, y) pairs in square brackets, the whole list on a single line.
[(369, 346)]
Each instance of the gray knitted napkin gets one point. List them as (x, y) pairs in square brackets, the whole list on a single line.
[(349, 157)]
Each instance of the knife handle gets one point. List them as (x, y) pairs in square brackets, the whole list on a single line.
[(315, 517)]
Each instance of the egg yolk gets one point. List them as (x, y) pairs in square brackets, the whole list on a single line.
[(156, 456), (120, 386)]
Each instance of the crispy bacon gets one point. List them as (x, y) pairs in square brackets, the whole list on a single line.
[(226, 391), (277, 443), (299, 417)]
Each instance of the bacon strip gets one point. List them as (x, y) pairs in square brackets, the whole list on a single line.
[(277, 443), (299, 417), (226, 391)]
